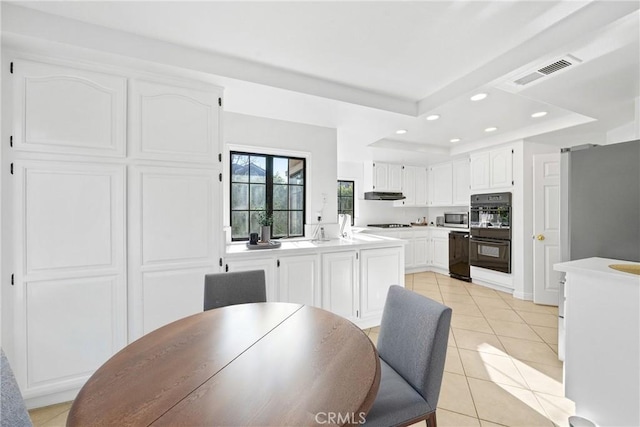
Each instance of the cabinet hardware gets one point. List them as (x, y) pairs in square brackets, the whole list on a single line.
[(220, 102), (11, 68), (278, 263), (357, 255), (357, 313), (219, 157), (220, 177), (11, 279), (220, 262), (11, 141), (11, 168), (226, 268)]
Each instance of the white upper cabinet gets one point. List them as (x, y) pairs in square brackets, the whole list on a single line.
[(480, 171), (174, 123), (501, 168), (414, 186), (68, 110), (461, 182), (387, 177), (441, 184), (421, 187), (409, 185), (492, 169)]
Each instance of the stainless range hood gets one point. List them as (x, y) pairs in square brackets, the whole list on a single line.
[(383, 195)]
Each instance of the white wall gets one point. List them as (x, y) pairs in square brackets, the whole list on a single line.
[(317, 144), (627, 132)]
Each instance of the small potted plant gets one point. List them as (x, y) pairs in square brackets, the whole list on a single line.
[(265, 220)]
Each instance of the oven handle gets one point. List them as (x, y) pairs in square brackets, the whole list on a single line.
[(492, 241)]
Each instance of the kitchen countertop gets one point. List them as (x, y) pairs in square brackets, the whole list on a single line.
[(413, 227), (302, 245), (598, 267)]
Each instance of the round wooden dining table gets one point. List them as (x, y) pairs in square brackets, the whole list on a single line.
[(267, 364)]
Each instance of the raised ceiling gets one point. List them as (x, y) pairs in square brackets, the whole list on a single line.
[(369, 68)]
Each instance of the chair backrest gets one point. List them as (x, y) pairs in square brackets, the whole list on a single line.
[(13, 412), (414, 332), (222, 289)]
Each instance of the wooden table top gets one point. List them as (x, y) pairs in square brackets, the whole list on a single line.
[(269, 364)]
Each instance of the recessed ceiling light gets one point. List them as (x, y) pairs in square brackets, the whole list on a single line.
[(454, 140), (433, 117), (539, 114), (401, 131), (491, 129), (478, 96)]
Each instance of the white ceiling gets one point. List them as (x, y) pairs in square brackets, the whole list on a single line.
[(369, 68)]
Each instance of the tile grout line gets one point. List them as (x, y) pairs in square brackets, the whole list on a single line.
[(466, 378)]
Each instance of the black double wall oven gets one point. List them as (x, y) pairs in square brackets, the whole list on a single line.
[(490, 229)]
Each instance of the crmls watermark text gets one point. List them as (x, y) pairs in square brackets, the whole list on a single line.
[(340, 418)]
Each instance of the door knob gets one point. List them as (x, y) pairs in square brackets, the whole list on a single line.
[(540, 237)]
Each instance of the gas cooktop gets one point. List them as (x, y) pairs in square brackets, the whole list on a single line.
[(389, 225)]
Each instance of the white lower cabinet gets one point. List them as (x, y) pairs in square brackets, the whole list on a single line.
[(421, 251), (440, 250), (379, 269), (298, 279), (340, 284)]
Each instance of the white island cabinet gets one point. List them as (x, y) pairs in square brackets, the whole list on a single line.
[(349, 277), (602, 338)]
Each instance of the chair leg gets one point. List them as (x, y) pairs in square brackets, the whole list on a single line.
[(431, 420)]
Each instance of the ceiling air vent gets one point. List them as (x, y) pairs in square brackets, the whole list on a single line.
[(544, 71)]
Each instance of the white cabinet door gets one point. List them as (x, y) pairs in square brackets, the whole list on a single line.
[(441, 184), (67, 110), (501, 168), (379, 269), (409, 185), (480, 175), (340, 284), (421, 251), (461, 182), (395, 178), (268, 265), (298, 280), (421, 197), (409, 253), (174, 123), (380, 176), (172, 243), (69, 291), (440, 254)]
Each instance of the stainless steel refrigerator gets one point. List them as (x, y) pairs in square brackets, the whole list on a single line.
[(600, 207), (600, 210)]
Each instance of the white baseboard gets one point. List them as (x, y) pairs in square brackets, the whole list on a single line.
[(51, 399)]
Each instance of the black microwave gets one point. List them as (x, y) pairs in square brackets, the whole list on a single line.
[(456, 219)]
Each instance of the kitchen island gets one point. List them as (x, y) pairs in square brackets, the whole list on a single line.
[(602, 359), (349, 277)]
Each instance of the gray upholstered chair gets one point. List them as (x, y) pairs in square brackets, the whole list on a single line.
[(222, 289), (13, 413), (412, 346)]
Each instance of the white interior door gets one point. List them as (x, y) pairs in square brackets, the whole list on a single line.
[(546, 226)]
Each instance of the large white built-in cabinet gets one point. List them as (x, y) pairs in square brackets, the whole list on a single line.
[(112, 179)]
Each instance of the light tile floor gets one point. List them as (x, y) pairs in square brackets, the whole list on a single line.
[(501, 369)]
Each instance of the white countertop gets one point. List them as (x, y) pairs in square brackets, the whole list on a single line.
[(359, 241), (374, 230), (597, 266)]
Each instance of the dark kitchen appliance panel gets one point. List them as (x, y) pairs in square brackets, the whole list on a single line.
[(490, 242), (389, 225), (491, 254), (459, 255)]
